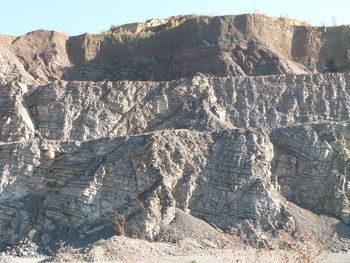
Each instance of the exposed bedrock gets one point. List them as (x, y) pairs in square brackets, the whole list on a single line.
[(85, 156), (89, 110), (177, 47), (134, 184), (15, 120), (311, 165), (115, 132)]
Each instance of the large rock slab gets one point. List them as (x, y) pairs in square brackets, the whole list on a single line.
[(311, 165), (133, 184), (89, 110)]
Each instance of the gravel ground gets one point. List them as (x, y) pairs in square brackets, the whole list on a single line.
[(189, 239), (208, 256)]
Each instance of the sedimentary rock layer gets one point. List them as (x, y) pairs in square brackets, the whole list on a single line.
[(178, 47), (115, 132), (90, 110), (84, 156)]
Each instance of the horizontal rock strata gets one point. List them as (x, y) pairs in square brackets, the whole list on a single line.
[(178, 47), (81, 157), (230, 119)]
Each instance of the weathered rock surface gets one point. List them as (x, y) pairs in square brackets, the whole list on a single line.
[(311, 164), (178, 47), (15, 121), (78, 158), (136, 182), (90, 110), (123, 155)]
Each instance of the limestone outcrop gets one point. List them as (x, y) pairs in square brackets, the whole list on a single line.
[(90, 110), (84, 156), (312, 168), (232, 127)]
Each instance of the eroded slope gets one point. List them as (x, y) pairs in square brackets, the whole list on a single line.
[(178, 47)]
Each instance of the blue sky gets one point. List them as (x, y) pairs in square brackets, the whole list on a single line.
[(80, 16)]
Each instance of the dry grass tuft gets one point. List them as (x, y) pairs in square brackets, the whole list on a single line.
[(302, 247), (67, 253), (289, 246)]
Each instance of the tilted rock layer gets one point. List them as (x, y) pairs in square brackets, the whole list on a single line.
[(81, 152)]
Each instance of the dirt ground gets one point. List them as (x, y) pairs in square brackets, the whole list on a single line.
[(209, 256), (188, 239)]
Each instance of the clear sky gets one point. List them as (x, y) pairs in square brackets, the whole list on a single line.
[(80, 16)]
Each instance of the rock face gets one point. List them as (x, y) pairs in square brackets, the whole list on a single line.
[(79, 157), (90, 110), (311, 164), (178, 47), (139, 179)]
